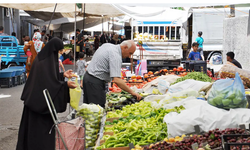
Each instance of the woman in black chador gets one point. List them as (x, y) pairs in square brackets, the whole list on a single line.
[(36, 120)]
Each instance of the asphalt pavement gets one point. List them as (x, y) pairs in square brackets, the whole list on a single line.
[(11, 112)]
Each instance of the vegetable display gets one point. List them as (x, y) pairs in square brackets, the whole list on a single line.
[(143, 125), (199, 76), (92, 114), (212, 138)]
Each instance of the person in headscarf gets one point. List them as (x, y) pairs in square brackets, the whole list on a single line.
[(115, 40), (31, 49), (36, 123)]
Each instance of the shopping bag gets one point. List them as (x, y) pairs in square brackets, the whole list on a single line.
[(228, 93), (77, 48), (75, 95), (73, 133)]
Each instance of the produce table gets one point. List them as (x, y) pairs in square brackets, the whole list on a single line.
[(143, 125)]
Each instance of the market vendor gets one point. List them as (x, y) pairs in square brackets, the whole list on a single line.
[(230, 58), (106, 64), (36, 124)]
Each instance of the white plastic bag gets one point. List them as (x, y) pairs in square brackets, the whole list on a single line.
[(158, 101), (163, 86), (189, 102), (187, 84), (207, 117), (148, 88)]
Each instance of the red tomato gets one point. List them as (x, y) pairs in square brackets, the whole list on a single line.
[(110, 88)]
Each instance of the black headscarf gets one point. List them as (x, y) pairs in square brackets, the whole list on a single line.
[(45, 74)]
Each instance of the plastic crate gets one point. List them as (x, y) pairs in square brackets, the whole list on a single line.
[(20, 79), (15, 80), (6, 82), (18, 71), (199, 66), (17, 67), (7, 74), (227, 145)]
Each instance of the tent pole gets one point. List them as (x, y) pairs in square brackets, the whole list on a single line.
[(52, 17), (113, 26), (11, 19), (83, 19), (102, 24), (75, 41)]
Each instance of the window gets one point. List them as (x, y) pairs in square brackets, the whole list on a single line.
[(139, 29), (145, 29), (167, 32), (162, 32), (156, 30), (151, 30), (178, 35), (172, 32)]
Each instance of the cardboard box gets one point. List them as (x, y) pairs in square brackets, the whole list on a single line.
[(108, 133)]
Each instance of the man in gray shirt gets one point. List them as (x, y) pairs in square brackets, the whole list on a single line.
[(105, 65)]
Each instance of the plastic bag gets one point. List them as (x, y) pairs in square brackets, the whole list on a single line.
[(207, 117), (228, 93), (187, 84), (75, 96), (158, 101), (92, 115), (163, 86), (148, 88), (228, 71)]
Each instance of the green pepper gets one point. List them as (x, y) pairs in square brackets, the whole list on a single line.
[(110, 145), (119, 145)]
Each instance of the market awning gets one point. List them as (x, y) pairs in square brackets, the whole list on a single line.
[(66, 9)]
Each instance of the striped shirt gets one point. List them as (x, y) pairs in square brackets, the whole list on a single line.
[(106, 62)]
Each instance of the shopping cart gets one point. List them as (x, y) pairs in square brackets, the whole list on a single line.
[(70, 135)]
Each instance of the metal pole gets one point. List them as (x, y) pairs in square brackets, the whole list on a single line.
[(113, 26), (232, 10), (51, 17), (11, 19), (102, 24), (83, 19), (75, 42)]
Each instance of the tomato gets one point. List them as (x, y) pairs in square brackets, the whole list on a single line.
[(174, 69), (165, 70), (122, 77), (180, 68), (156, 72), (145, 75), (150, 72), (138, 77), (134, 80), (149, 80), (110, 89), (133, 77), (184, 70), (140, 80)]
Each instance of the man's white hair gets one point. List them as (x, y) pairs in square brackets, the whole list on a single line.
[(126, 43)]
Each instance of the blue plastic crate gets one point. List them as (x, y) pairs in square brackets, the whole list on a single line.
[(18, 67), (18, 71), (7, 74)]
